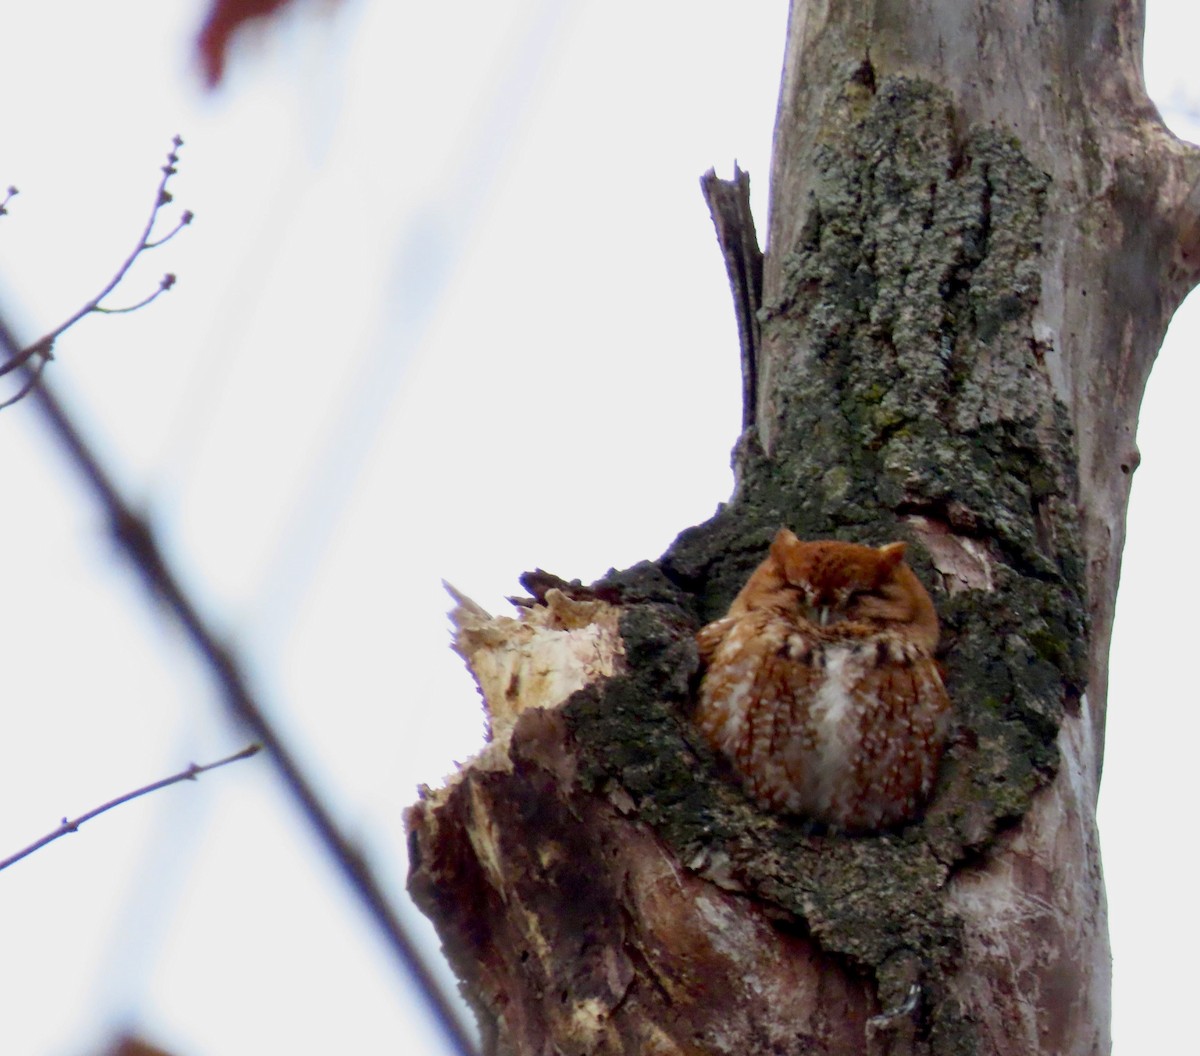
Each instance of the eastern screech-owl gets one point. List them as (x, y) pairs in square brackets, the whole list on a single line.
[(821, 687)]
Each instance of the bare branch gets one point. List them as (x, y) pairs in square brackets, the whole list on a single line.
[(72, 825), (185, 218), (165, 284), (136, 537), (162, 197), (32, 376), (43, 348), (729, 204)]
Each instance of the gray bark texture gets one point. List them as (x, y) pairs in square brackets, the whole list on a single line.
[(979, 230)]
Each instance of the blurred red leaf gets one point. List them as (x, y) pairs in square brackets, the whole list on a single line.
[(225, 18), (133, 1046)]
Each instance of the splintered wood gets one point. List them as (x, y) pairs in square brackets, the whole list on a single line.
[(538, 659)]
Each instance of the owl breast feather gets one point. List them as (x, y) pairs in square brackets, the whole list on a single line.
[(842, 725)]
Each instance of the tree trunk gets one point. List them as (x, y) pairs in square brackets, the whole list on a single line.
[(979, 230)]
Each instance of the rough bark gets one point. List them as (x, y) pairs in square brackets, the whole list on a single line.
[(979, 230)]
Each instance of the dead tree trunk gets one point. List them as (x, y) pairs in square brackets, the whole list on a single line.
[(979, 230)]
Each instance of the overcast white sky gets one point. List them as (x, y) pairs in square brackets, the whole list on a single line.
[(370, 376)]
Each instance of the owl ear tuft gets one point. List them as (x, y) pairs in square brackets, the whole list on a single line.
[(784, 540), (891, 554)]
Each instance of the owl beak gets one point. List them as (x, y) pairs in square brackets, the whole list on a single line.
[(823, 616)]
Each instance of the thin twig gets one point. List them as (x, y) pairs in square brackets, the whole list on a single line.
[(135, 536), (72, 825), (32, 376), (44, 346), (164, 284)]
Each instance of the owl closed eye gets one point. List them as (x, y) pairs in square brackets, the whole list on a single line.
[(820, 685)]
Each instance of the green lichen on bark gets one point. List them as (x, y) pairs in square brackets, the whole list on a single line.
[(903, 367), (904, 379)]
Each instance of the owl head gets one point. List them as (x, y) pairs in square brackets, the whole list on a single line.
[(827, 582)]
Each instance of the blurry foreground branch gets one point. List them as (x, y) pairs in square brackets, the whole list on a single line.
[(135, 536)]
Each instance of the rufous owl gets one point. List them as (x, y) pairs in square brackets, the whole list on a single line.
[(821, 687)]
